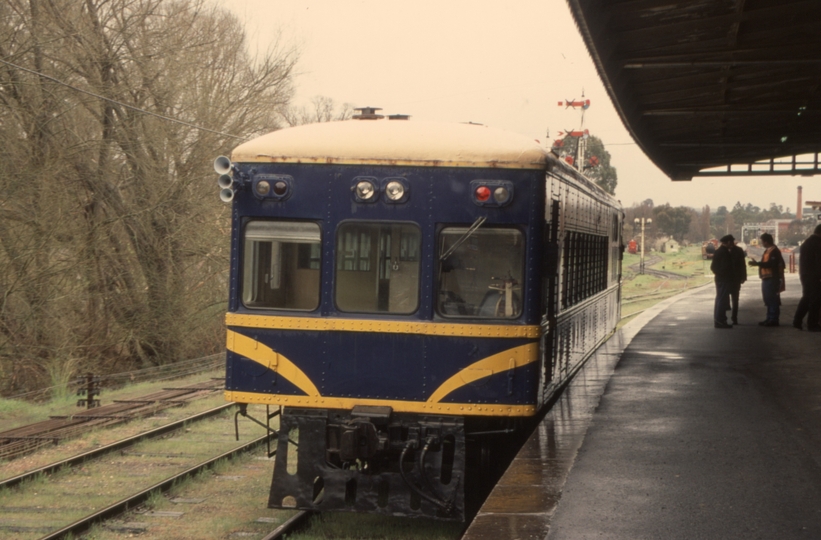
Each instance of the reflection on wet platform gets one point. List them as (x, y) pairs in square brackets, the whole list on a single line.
[(688, 432), (525, 498)]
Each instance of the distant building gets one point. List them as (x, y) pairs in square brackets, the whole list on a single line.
[(783, 224), (812, 211), (667, 245), (779, 228)]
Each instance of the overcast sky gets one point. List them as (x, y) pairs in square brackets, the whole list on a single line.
[(504, 64)]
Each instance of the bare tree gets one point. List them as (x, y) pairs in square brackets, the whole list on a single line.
[(113, 244), (322, 109)]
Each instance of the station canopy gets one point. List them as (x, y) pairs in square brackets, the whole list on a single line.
[(713, 87)]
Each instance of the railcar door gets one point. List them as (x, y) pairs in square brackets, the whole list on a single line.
[(378, 267), (402, 266)]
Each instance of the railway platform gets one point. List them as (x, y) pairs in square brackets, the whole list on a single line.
[(677, 430)]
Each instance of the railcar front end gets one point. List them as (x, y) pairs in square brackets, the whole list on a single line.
[(389, 291)]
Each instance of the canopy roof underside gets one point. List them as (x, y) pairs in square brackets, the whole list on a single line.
[(712, 83)]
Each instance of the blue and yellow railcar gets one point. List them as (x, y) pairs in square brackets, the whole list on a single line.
[(404, 291)]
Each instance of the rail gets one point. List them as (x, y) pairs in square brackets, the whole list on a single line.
[(113, 447), (294, 523), (25, 439), (82, 525)]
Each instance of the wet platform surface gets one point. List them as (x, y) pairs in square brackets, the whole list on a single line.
[(675, 429)]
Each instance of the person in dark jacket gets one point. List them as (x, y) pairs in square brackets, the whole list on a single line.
[(739, 271), (771, 272), (722, 267), (809, 270)]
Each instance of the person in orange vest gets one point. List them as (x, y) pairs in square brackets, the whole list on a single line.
[(771, 272)]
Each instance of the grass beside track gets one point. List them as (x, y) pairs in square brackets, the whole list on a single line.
[(106, 435), (15, 413), (51, 503), (228, 501), (643, 291)]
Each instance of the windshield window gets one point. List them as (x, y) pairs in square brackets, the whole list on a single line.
[(377, 267), (482, 277), (281, 265)]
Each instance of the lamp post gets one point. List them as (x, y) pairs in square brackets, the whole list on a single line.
[(643, 221)]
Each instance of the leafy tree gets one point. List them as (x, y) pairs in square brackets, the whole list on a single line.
[(674, 222), (596, 165), (731, 222), (700, 225), (643, 210), (797, 232), (602, 173), (730, 226), (695, 231)]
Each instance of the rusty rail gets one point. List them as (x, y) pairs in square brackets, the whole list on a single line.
[(25, 439), (82, 525), (113, 447)]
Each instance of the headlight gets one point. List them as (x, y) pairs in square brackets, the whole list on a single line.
[(263, 188), (365, 190), (394, 190)]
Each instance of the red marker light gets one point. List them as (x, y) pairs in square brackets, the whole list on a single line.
[(482, 193)]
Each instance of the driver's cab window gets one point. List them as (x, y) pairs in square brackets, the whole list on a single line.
[(480, 273), (281, 265)]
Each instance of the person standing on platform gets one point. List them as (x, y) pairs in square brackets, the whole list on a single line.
[(722, 267), (809, 270), (771, 272), (737, 258)]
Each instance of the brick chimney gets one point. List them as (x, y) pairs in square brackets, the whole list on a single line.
[(800, 208)]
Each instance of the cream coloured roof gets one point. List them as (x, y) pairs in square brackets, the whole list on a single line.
[(395, 142)]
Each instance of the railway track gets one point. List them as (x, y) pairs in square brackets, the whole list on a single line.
[(89, 488), (84, 523), (25, 516), (656, 294), (109, 448), (25, 439), (293, 524), (663, 274), (651, 260)]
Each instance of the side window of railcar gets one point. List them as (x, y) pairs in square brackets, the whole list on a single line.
[(480, 273), (281, 265), (377, 267), (584, 269)]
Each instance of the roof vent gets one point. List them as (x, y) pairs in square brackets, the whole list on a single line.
[(367, 113), (398, 117)]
